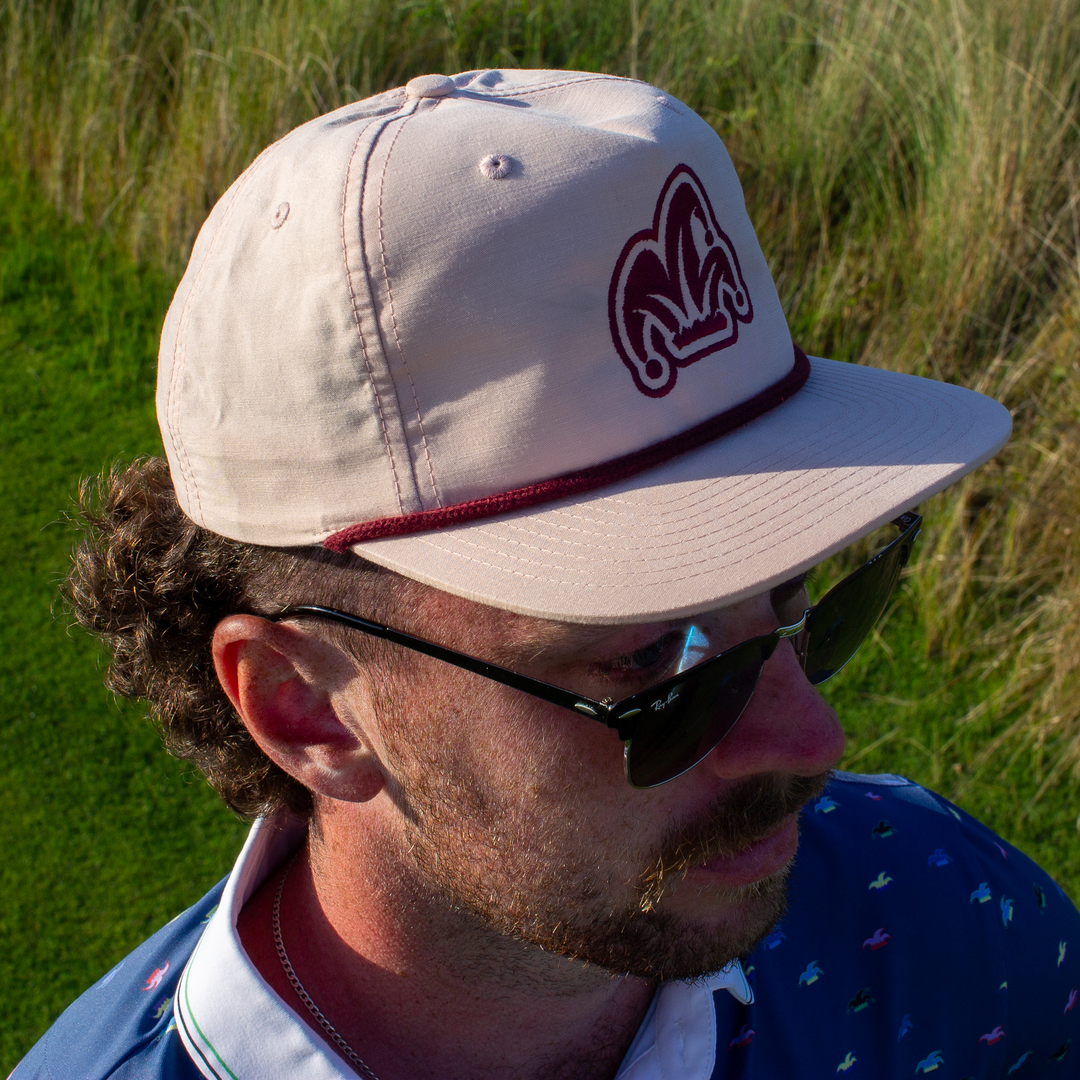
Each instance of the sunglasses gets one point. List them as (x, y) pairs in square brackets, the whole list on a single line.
[(670, 727)]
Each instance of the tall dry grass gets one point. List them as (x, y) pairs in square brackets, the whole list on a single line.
[(913, 169)]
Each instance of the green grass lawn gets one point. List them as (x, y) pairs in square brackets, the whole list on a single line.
[(104, 837)]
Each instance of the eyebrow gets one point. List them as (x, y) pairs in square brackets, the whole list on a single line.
[(531, 644), (780, 594)]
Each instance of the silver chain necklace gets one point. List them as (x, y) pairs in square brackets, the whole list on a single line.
[(304, 996)]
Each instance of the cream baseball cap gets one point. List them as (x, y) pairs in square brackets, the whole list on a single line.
[(511, 334)]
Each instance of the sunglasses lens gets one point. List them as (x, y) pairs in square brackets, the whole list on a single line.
[(847, 613), (678, 727)]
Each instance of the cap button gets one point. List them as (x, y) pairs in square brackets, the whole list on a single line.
[(433, 86)]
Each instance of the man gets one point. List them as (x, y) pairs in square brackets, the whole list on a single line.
[(478, 573)]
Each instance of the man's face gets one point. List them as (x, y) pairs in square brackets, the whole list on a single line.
[(519, 812)]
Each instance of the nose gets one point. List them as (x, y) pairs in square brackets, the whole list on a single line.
[(787, 727)]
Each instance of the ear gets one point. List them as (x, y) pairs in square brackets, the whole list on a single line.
[(303, 702)]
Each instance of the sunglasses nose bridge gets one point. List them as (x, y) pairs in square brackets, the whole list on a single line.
[(797, 634), (795, 628)]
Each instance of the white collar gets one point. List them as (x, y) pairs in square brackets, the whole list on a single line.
[(235, 1027)]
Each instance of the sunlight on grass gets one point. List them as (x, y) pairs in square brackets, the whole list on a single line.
[(104, 837)]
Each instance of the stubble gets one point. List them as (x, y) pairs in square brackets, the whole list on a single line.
[(487, 861)]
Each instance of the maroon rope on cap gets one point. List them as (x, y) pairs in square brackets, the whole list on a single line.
[(582, 480)]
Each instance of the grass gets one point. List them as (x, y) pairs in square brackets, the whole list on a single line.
[(914, 173), (104, 837), (906, 711)]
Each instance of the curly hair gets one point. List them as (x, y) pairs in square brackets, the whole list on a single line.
[(153, 585)]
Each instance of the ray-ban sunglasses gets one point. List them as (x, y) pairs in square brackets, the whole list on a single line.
[(670, 727)]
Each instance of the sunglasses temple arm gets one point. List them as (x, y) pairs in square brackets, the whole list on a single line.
[(556, 695), (619, 715), (905, 521)]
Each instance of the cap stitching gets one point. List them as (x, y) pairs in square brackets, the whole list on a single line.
[(180, 354), (687, 513), (736, 556), (393, 313), (777, 462), (360, 329), (738, 546), (587, 479), (733, 557), (667, 580), (556, 86)]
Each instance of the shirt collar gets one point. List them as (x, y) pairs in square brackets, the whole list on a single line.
[(236, 1027)]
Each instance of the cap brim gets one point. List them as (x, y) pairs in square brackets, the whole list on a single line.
[(852, 449)]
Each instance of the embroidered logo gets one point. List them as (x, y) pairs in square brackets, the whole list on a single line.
[(677, 294)]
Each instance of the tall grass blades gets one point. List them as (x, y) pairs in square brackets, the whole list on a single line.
[(913, 170), (138, 114)]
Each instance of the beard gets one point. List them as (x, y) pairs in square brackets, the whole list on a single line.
[(526, 883)]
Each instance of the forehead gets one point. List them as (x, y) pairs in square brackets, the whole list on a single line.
[(507, 636), (506, 632)]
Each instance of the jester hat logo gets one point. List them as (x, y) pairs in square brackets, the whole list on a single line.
[(677, 294)]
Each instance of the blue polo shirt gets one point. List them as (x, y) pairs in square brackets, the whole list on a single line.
[(916, 942)]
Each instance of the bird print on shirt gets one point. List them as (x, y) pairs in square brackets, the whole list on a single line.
[(154, 981), (877, 939)]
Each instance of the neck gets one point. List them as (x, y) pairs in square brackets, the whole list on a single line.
[(423, 990)]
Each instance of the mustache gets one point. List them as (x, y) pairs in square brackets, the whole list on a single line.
[(754, 810)]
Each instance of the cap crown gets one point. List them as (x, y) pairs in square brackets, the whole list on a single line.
[(416, 302)]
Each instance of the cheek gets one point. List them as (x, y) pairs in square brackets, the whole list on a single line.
[(492, 763), (483, 729), (505, 796), (556, 758)]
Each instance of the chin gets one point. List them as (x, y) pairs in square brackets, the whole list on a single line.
[(666, 943), (724, 922)]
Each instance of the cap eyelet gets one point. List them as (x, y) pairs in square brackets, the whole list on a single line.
[(496, 166)]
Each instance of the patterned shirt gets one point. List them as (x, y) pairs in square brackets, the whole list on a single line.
[(916, 942)]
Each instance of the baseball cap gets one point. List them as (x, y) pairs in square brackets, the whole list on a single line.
[(511, 334)]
